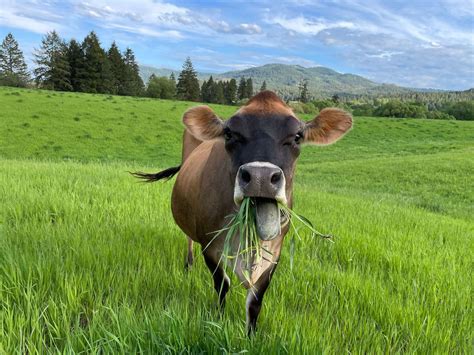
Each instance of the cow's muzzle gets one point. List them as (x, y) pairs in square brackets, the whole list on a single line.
[(265, 182)]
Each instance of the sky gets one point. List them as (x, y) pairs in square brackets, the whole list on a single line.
[(417, 43)]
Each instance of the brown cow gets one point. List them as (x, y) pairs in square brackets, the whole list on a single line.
[(253, 154)]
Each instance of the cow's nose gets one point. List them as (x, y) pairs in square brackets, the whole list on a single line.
[(261, 179)]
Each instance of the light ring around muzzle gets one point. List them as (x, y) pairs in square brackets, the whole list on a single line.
[(239, 194)]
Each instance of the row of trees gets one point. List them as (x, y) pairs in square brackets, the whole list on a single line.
[(188, 88), (72, 66), (86, 67)]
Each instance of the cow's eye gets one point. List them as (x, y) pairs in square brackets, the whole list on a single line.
[(227, 135), (298, 138)]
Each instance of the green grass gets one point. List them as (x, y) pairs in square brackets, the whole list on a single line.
[(90, 260)]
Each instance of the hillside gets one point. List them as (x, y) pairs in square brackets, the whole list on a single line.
[(285, 79), (39, 124)]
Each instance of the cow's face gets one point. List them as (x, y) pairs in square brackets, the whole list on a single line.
[(263, 140)]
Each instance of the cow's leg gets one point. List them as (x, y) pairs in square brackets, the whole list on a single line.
[(221, 280), (255, 298), (189, 259)]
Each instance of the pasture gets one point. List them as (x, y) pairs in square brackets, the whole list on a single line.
[(91, 260)]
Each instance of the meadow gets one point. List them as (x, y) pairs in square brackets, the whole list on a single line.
[(91, 260)]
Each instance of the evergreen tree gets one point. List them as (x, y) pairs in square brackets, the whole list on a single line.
[(264, 86), (231, 91), (75, 58), (52, 71), (219, 97), (188, 84), (249, 88), (117, 68), (211, 90), (96, 66), (303, 89), (204, 92), (173, 82), (13, 69), (172, 78), (242, 90), (133, 85)]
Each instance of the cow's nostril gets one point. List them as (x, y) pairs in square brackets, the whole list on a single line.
[(245, 176), (276, 177)]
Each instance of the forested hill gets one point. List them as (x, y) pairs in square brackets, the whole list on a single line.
[(286, 78)]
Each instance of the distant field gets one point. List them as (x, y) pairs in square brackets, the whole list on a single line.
[(91, 260)]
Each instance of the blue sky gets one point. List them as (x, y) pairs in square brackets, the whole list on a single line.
[(414, 43)]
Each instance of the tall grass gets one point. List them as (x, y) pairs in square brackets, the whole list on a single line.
[(92, 261)]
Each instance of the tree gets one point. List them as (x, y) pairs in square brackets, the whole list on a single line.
[(219, 97), (160, 87), (117, 68), (205, 95), (52, 71), (463, 110), (172, 78), (75, 58), (242, 90), (133, 84), (264, 86), (211, 90), (97, 75), (230, 91), (249, 88), (13, 69), (188, 84), (303, 91)]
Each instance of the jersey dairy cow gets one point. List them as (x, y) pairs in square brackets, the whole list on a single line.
[(252, 154)]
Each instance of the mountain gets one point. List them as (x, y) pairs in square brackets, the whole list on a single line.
[(146, 71), (285, 79)]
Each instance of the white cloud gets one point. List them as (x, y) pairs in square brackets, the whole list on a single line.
[(25, 16), (307, 26), (156, 16), (249, 28), (384, 54)]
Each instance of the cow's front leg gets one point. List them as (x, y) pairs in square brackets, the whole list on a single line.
[(255, 297), (221, 280)]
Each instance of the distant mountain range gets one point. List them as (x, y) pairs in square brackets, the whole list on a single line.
[(285, 79)]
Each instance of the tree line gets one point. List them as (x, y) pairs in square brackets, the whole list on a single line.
[(188, 88), (461, 109), (72, 66), (87, 67)]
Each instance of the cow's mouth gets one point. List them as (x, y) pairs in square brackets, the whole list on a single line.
[(268, 218)]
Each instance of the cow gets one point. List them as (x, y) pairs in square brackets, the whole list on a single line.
[(252, 154)]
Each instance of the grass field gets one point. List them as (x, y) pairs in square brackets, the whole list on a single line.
[(92, 261)]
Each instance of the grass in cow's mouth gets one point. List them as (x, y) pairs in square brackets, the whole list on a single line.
[(249, 247)]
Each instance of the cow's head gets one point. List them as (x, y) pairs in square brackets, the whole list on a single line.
[(263, 140)]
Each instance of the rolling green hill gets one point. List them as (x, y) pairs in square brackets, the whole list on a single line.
[(91, 261), (285, 79)]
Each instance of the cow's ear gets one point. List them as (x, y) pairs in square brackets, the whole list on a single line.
[(326, 128), (203, 123)]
